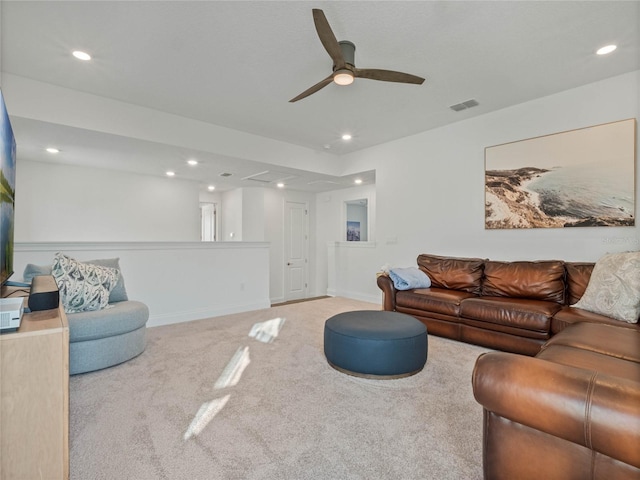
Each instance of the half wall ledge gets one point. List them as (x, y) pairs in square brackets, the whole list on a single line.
[(178, 281)]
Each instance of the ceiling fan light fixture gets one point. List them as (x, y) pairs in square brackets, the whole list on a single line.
[(606, 50), (343, 77)]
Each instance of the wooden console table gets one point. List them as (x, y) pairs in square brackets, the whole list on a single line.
[(34, 398)]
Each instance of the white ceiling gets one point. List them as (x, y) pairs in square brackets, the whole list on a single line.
[(237, 63)]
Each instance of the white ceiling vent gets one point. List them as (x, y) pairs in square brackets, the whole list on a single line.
[(225, 174), (268, 176), (464, 105), (323, 182)]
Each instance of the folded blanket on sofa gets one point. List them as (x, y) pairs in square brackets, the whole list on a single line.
[(408, 278)]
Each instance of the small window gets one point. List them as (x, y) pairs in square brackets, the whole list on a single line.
[(357, 227)]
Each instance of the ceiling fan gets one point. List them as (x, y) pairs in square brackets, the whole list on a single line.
[(344, 69)]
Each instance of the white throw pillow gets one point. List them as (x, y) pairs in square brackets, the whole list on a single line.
[(83, 286), (614, 287)]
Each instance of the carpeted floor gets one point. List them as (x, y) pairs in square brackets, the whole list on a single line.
[(208, 401)]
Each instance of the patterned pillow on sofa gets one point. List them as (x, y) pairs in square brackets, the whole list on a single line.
[(614, 287), (119, 292), (83, 286)]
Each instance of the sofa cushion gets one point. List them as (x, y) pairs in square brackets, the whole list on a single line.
[(123, 317), (453, 273), (569, 315), (603, 339), (433, 300), (541, 280), (578, 275), (534, 315), (614, 287), (576, 357)]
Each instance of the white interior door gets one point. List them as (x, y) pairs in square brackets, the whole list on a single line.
[(296, 240)]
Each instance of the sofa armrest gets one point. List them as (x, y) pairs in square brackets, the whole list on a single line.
[(389, 293), (597, 411)]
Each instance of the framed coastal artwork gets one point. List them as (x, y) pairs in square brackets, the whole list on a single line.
[(353, 231), (579, 178)]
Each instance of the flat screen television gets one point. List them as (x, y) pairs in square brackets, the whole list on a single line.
[(7, 192)]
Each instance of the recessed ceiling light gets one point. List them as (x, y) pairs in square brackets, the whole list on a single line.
[(357, 181), (80, 55), (192, 162), (53, 150), (170, 173), (211, 188), (607, 49), (346, 136), (280, 185)]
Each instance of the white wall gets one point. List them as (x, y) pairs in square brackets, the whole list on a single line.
[(63, 203), (231, 221), (430, 189), (253, 214), (211, 197), (335, 276), (257, 214), (178, 281), (69, 203)]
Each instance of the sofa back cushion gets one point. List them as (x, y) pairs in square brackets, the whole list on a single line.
[(578, 275), (541, 280), (453, 273)]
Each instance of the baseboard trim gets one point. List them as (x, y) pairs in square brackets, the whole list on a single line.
[(364, 297), (202, 313)]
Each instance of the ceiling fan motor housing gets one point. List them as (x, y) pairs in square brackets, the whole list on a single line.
[(348, 52)]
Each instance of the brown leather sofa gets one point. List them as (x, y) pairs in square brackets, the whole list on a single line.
[(510, 306), (572, 412)]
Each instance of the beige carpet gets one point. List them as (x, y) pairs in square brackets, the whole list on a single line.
[(180, 411)]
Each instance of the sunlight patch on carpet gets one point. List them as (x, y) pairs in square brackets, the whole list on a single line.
[(266, 332), (231, 374), (205, 414)]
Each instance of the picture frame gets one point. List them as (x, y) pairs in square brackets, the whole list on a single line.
[(353, 231), (577, 178)]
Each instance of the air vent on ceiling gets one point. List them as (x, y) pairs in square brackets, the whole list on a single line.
[(464, 105), (321, 182), (225, 174), (268, 177)]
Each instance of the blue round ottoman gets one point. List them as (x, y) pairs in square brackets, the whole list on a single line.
[(375, 344)]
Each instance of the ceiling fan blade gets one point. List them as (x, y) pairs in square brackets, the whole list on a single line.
[(314, 89), (328, 39), (387, 76)]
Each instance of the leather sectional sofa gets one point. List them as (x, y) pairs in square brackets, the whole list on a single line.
[(570, 412), (510, 306)]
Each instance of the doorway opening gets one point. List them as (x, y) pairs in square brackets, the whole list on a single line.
[(208, 222)]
